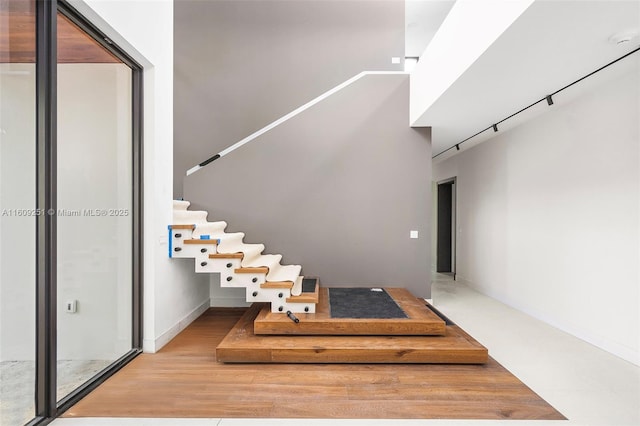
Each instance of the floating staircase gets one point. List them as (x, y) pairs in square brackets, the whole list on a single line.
[(292, 319), (240, 264)]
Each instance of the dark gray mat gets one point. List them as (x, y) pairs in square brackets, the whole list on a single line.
[(308, 285), (363, 303)]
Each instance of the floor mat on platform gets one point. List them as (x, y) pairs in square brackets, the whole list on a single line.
[(363, 303)]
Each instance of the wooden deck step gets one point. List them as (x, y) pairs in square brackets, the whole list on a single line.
[(420, 321), (258, 270), (226, 256), (182, 226), (307, 296), (241, 345), (199, 241), (277, 284)]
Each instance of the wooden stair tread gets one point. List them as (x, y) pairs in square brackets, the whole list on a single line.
[(226, 256), (252, 270), (182, 226), (303, 298), (242, 345), (277, 284), (199, 241), (420, 321), (307, 297)]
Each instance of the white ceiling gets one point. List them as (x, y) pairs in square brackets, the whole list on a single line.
[(552, 44), (422, 20)]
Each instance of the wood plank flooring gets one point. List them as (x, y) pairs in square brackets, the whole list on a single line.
[(242, 345), (185, 380), (420, 322)]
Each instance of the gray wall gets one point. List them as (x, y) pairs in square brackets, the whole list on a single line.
[(336, 189), (240, 65)]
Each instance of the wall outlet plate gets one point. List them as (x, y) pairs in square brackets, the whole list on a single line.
[(413, 234), (71, 306)]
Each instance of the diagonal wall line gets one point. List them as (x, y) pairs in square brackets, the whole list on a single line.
[(290, 115)]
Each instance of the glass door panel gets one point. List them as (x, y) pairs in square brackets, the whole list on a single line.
[(17, 211), (94, 198)]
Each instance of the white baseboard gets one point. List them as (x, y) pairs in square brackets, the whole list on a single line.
[(588, 336), (154, 345)]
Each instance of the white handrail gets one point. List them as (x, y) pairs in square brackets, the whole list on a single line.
[(290, 115)]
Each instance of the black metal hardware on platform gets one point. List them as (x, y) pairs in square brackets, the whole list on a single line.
[(203, 250), (229, 278), (177, 249), (255, 293), (254, 280), (203, 264), (547, 98), (229, 265), (306, 309), (280, 295), (280, 309), (178, 235), (292, 317), (209, 160)]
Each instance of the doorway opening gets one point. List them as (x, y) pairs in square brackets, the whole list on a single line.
[(446, 227)]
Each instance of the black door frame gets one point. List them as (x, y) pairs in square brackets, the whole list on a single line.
[(452, 217), (47, 408)]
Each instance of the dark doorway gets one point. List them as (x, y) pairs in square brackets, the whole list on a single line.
[(445, 259)]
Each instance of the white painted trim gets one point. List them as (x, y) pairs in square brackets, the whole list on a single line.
[(152, 346), (193, 169), (297, 111)]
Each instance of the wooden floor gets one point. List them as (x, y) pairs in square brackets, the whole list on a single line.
[(185, 380), (420, 321), (242, 345)]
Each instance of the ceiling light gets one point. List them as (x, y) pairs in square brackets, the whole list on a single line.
[(410, 63), (626, 36)]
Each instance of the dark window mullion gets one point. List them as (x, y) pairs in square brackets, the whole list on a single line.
[(137, 205), (46, 80)]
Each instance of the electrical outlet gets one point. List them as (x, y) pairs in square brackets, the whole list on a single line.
[(413, 234), (71, 306)]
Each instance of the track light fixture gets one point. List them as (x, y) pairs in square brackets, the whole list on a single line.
[(616, 39)]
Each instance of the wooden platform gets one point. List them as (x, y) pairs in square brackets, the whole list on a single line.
[(241, 345), (184, 379), (421, 320)]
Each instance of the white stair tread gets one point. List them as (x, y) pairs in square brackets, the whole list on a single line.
[(213, 229), (230, 240), (180, 204), (296, 290), (251, 251), (232, 243), (188, 217), (268, 260), (284, 273)]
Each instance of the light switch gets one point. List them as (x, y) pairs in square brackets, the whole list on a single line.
[(413, 234)]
